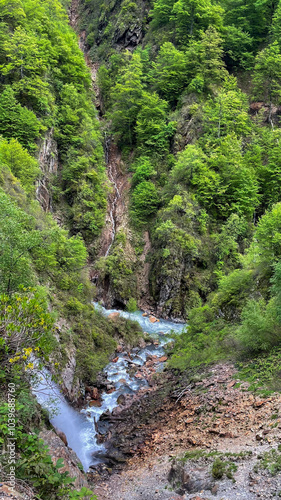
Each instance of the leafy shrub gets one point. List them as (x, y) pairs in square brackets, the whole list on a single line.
[(20, 162), (259, 330), (202, 341), (145, 201), (132, 305)]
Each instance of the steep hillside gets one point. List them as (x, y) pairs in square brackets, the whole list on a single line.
[(139, 166), (194, 144), (53, 190)]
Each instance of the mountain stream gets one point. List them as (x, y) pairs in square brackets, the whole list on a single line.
[(80, 426)]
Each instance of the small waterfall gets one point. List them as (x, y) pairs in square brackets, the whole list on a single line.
[(79, 431), (112, 175)]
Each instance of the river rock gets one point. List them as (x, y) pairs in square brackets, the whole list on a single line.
[(110, 391), (162, 359), (138, 375), (114, 457), (95, 403), (115, 360), (121, 399), (113, 316), (101, 381), (110, 387), (105, 415), (152, 357), (145, 314), (95, 393), (152, 319), (142, 344)]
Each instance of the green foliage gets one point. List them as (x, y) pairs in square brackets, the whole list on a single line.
[(227, 243), (19, 162), (153, 133), (201, 342), (221, 468), (132, 305), (267, 79), (266, 159), (209, 67), (268, 236), (270, 460), (143, 171), (126, 96), (191, 16), (187, 17), (259, 330), (105, 84), (233, 290), (169, 72), (17, 238), (18, 122), (237, 45), (145, 201), (46, 85), (253, 17), (261, 371), (221, 183), (26, 327), (227, 112)]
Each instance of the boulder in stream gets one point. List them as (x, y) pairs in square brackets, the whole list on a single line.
[(95, 402), (113, 316)]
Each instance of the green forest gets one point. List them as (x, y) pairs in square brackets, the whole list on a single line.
[(195, 110), (190, 94)]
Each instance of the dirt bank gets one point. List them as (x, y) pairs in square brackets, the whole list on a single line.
[(211, 417)]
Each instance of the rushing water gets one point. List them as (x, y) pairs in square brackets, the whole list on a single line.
[(79, 427)]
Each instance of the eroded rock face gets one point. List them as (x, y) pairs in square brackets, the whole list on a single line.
[(68, 372), (129, 37), (167, 290), (62, 436), (58, 450), (48, 161), (70, 383)]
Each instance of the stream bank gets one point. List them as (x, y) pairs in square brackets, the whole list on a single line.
[(206, 437)]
